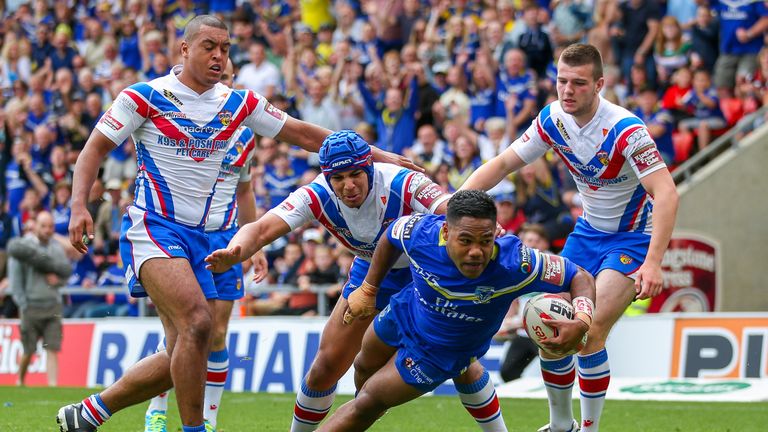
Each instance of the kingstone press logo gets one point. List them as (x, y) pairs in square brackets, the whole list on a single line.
[(676, 387)]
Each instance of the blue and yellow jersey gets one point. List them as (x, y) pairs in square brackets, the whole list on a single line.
[(450, 311)]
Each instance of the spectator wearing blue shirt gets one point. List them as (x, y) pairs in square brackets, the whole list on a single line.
[(516, 94), (60, 209), (395, 121), (704, 105), (63, 55), (280, 179), (742, 24), (130, 53), (659, 122)]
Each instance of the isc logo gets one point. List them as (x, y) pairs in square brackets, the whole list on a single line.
[(720, 348)]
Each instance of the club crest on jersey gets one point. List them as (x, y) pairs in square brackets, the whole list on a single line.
[(602, 156), (625, 259), (239, 284), (225, 117), (483, 294), (172, 97), (561, 128), (384, 200), (409, 363)]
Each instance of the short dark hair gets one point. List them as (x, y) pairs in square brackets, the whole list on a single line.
[(193, 27), (471, 203), (583, 54)]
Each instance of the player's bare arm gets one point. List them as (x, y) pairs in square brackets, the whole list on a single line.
[(492, 172), (571, 332), (665, 200), (362, 301), (248, 240), (86, 170)]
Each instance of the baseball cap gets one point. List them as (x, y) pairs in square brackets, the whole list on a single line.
[(441, 67), (312, 235)]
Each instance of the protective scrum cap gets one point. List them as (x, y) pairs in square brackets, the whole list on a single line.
[(346, 151)]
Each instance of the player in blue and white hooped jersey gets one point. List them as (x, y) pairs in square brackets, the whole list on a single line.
[(630, 203), (463, 283), (181, 125), (355, 200), (233, 205)]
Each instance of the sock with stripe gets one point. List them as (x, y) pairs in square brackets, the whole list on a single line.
[(311, 407), (480, 400), (200, 428), (559, 375), (218, 367), (594, 377), (159, 403), (94, 410)]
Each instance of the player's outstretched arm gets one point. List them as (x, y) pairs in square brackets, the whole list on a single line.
[(492, 172), (571, 332), (665, 201), (248, 240), (362, 301), (86, 170)]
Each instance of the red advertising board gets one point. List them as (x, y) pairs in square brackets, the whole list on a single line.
[(690, 268)]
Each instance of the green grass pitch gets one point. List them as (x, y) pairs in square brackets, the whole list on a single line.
[(34, 410)]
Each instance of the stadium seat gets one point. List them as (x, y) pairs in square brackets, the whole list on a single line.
[(683, 143), (733, 110)]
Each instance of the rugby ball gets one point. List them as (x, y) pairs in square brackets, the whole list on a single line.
[(547, 306)]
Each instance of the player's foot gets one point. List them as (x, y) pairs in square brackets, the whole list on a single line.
[(574, 428), (155, 421), (70, 419), (209, 427)]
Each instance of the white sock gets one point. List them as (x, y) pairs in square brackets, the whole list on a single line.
[(311, 407), (559, 375), (159, 402), (594, 377), (480, 400), (218, 367)]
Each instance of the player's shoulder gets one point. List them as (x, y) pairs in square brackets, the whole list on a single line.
[(512, 252), (418, 227), (388, 170), (612, 115)]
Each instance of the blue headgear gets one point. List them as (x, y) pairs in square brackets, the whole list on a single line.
[(345, 151)]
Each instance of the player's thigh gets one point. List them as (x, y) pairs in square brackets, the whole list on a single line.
[(374, 353), (173, 288), (341, 342), (386, 389), (614, 292)]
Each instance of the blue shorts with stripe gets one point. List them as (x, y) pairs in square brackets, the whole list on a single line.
[(145, 235), (396, 280), (596, 250), (420, 364), (229, 285)]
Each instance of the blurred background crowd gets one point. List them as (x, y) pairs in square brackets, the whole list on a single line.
[(448, 83)]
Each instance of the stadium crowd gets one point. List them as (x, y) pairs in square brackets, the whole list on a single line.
[(449, 84)]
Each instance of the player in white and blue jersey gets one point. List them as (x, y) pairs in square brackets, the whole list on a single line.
[(463, 283), (355, 200), (233, 205), (630, 203)]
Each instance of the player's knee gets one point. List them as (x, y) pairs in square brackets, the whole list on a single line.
[(198, 326), (325, 372), (367, 406), (218, 338)]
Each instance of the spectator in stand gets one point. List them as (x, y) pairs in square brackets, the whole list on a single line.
[(395, 120), (535, 42), (106, 226), (259, 74), (428, 151), (571, 19), (538, 196), (508, 215), (60, 209), (658, 121), (671, 50), (41, 47), (613, 89), (15, 63), (742, 26), (705, 36), (128, 46), (515, 92), (63, 55), (635, 32), (21, 176), (280, 179), (672, 100), (39, 113), (466, 159), (703, 104)]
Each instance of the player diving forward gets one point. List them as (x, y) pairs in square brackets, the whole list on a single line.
[(463, 283), (355, 200)]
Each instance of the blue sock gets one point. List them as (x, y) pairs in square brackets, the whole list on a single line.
[(200, 428)]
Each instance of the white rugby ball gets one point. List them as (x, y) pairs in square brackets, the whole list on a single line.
[(547, 306)]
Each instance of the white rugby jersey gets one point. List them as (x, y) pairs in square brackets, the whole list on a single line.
[(234, 169), (181, 139), (358, 229), (607, 158)]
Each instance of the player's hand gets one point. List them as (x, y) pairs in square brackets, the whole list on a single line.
[(649, 281), (380, 155), (260, 266), (569, 335), (361, 303), (222, 260), (80, 228), (500, 231)]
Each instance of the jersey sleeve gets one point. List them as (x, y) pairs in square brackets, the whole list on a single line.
[(640, 150), (250, 145), (546, 272), (427, 195), (295, 209), (402, 230), (531, 144), (264, 119), (126, 114)]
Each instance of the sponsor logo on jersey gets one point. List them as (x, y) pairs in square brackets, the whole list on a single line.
[(588, 168), (526, 138), (561, 128), (562, 148), (173, 114), (525, 260), (172, 97), (625, 259), (397, 228), (646, 157), (409, 363), (553, 269), (428, 194), (274, 112), (287, 206), (408, 228), (636, 136), (602, 155), (598, 182), (225, 117), (174, 247), (110, 121), (483, 294)]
